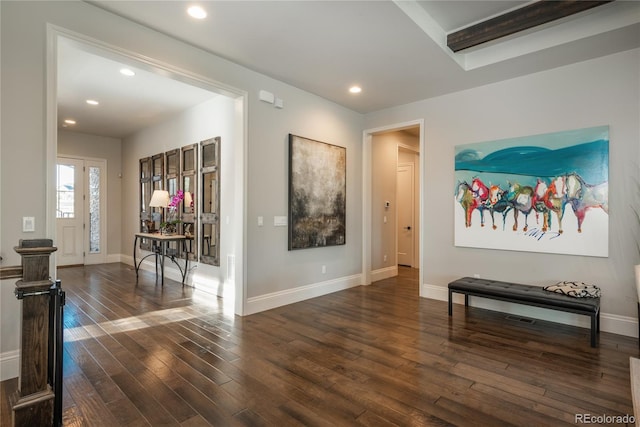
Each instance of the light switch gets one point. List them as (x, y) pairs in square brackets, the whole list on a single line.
[(28, 224), (260, 221)]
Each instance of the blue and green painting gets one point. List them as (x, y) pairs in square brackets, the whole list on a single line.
[(542, 193)]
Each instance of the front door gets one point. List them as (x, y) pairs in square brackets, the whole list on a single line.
[(69, 211)]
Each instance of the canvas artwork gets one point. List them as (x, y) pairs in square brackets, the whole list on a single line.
[(317, 193), (543, 193)]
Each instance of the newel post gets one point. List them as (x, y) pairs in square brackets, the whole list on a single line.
[(32, 403)]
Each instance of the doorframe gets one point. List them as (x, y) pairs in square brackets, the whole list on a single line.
[(367, 141), (240, 119)]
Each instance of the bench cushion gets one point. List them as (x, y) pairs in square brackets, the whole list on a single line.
[(534, 295), (575, 289)]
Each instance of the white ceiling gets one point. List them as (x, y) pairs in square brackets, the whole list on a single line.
[(393, 49)]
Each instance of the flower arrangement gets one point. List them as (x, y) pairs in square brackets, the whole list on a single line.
[(170, 225)]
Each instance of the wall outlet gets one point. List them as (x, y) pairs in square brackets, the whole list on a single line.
[(384, 258), (324, 269), (476, 275)]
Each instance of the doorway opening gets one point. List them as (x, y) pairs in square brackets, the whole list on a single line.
[(392, 200), (232, 242)]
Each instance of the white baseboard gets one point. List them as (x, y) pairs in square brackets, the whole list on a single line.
[(384, 273), (621, 325), (9, 364), (111, 258), (290, 296)]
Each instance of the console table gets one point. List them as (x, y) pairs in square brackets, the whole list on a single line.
[(159, 250)]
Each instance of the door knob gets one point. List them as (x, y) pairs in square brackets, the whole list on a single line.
[(407, 227)]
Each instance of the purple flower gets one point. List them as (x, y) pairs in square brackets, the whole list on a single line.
[(175, 200)]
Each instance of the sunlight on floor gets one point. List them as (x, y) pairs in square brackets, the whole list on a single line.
[(153, 318)]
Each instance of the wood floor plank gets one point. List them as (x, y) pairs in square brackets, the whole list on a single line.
[(139, 354), (88, 402)]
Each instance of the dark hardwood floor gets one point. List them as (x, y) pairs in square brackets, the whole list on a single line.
[(373, 356)]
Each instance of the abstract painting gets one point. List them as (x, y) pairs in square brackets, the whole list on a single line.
[(542, 193), (317, 193)]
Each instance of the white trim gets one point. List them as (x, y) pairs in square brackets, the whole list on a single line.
[(384, 273), (9, 364), (290, 296), (621, 325), (241, 123)]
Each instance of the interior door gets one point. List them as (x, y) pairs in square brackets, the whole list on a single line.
[(69, 211), (405, 214)]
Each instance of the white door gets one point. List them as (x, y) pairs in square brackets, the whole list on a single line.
[(69, 211), (405, 214), (81, 211)]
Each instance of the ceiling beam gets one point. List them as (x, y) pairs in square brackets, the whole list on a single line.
[(526, 17)]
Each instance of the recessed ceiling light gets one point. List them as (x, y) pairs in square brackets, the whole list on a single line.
[(197, 12), (355, 89), (92, 102), (70, 121), (127, 72)]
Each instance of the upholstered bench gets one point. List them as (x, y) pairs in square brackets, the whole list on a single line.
[(529, 295)]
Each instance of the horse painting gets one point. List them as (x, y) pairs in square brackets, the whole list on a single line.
[(532, 181), (538, 204), (498, 203), (481, 194), (583, 196), (464, 196), (521, 198), (555, 198)]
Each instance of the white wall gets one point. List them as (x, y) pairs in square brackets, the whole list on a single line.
[(110, 149), (602, 91)]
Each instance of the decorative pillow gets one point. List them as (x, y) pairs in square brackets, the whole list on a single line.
[(575, 289)]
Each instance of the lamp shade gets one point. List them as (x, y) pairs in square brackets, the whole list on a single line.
[(159, 199)]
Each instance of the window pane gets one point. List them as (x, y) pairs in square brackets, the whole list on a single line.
[(94, 210), (65, 191)]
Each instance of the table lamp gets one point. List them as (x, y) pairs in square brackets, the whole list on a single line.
[(159, 199)]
